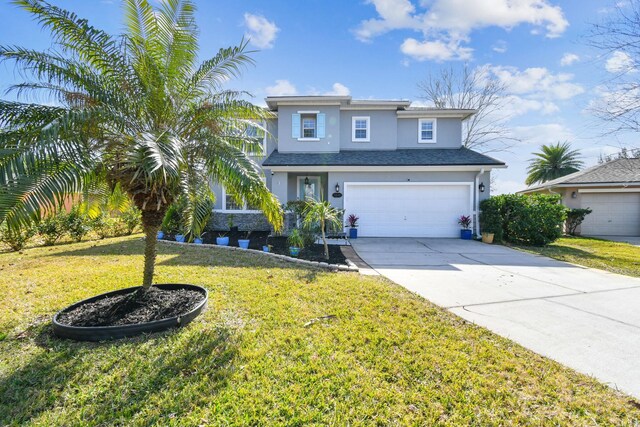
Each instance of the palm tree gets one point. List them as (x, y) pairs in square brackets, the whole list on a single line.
[(554, 161), (322, 213), (136, 110)]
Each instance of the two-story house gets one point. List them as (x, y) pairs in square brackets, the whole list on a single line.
[(402, 170)]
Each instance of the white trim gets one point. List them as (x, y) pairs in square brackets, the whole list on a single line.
[(309, 112), (430, 113), (433, 131), (609, 190), (309, 139), (346, 185), (353, 129), (472, 168), (301, 179)]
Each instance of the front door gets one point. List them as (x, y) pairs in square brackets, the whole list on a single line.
[(308, 186)]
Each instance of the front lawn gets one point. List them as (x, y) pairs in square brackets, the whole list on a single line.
[(616, 257), (263, 354)]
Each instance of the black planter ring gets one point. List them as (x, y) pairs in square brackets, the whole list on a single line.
[(102, 333)]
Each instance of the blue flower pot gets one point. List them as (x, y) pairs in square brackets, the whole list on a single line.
[(160, 235), (353, 233), (180, 238), (466, 234), (222, 241), (265, 248), (244, 243), (293, 251), (197, 241)]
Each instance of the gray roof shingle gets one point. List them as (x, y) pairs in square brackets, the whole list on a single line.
[(620, 171), (403, 157)]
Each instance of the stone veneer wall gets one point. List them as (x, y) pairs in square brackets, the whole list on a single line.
[(249, 221)]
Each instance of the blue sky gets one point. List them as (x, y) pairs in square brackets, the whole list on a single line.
[(384, 48)]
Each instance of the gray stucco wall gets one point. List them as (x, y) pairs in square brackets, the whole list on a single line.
[(448, 134), (331, 141), (383, 130)]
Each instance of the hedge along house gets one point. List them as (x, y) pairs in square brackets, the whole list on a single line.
[(611, 190), (402, 170)]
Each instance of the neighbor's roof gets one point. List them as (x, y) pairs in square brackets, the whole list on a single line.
[(404, 157), (616, 172)]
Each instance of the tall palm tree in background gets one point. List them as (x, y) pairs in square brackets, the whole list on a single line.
[(553, 161), (135, 110)]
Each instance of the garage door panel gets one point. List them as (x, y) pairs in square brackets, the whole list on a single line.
[(408, 210), (614, 214)]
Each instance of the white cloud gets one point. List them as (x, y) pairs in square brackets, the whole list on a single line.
[(446, 24), (338, 89), (542, 134), (514, 105), (260, 31), (500, 46), (537, 82), (569, 59), (281, 88), (434, 50), (620, 62)]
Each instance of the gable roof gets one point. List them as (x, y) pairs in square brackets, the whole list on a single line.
[(615, 172), (403, 157)]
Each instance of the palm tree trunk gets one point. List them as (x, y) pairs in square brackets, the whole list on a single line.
[(151, 223), (324, 241)]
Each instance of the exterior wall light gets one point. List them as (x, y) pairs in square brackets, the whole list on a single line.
[(481, 187), (337, 187), (574, 195)]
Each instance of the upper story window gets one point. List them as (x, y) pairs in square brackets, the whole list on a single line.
[(360, 129), (307, 125), (427, 130), (259, 136)]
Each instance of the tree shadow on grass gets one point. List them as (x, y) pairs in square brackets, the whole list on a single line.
[(184, 255), (110, 382)]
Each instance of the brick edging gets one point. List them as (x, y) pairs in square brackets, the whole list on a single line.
[(334, 267)]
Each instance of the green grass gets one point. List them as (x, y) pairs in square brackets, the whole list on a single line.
[(388, 358), (616, 257)]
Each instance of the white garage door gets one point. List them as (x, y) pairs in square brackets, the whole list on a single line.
[(613, 214), (408, 209)]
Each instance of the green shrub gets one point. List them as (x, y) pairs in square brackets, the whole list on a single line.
[(16, 238), (77, 224), (52, 228), (531, 220), (104, 226), (131, 219), (295, 239), (575, 218)]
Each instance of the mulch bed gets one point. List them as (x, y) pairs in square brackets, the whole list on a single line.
[(279, 245), (133, 308)]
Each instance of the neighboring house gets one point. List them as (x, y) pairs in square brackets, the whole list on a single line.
[(402, 170), (611, 190)]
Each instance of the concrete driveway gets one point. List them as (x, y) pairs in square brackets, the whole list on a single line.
[(583, 318)]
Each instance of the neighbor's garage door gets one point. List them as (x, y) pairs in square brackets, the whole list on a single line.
[(408, 209), (613, 214)]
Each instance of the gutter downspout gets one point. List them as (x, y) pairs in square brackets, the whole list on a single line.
[(477, 202)]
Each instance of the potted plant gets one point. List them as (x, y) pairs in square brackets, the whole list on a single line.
[(352, 223), (222, 239), (266, 247), (180, 236), (244, 243), (465, 222), (160, 235), (198, 239), (296, 242)]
